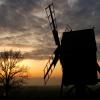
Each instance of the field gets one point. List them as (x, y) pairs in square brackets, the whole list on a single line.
[(49, 92)]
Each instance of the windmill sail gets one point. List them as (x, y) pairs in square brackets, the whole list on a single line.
[(52, 21), (51, 65), (53, 60)]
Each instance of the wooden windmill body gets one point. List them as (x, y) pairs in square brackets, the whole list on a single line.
[(78, 57), (77, 54)]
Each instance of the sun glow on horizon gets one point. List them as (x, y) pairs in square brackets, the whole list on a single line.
[(35, 68)]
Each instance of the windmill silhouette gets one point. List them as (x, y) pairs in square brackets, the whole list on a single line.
[(76, 52)]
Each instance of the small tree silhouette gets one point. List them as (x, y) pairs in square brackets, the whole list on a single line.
[(11, 73)]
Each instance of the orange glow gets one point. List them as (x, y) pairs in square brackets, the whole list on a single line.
[(35, 68)]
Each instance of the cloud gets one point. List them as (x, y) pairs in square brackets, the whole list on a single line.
[(18, 15), (24, 22), (83, 14), (39, 54)]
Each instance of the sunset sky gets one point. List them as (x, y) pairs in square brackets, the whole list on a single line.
[(24, 26)]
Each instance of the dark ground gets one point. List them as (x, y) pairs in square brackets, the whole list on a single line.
[(50, 92)]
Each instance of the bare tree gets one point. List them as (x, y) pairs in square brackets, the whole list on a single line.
[(11, 73)]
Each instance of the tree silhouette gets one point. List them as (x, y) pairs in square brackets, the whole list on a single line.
[(11, 73)]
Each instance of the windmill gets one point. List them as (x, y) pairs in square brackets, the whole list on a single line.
[(76, 52)]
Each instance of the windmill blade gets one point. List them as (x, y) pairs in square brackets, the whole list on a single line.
[(52, 21), (68, 29), (51, 65), (51, 16)]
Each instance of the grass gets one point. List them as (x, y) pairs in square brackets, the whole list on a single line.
[(35, 92), (49, 92)]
